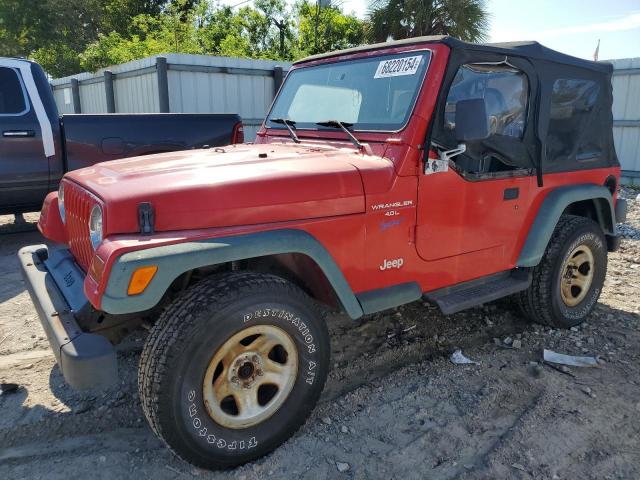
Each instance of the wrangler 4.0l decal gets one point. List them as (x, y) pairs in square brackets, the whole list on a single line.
[(384, 206)]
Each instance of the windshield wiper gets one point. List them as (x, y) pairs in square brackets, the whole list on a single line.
[(290, 124), (344, 126)]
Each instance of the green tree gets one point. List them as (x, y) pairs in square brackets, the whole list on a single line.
[(117, 14), (216, 24), (155, 35), (397, 19), (266, 30), (56, 32), (279, 33), (68, 36), (51, 31), (325, 29), (235, 46), (14, 19)]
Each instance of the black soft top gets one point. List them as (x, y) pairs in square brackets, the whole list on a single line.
[(563, 136), (527, 49), (575, 137)]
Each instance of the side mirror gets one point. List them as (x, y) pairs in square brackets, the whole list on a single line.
[(472, 121)]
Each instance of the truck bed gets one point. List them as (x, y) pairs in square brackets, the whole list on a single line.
[(90, 139)]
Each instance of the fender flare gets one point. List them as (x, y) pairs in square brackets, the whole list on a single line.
[(174, 260), (550, 211)]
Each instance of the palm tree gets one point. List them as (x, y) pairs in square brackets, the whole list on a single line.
[(465, 19)]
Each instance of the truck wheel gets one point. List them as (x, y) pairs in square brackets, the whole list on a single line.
[(568, 281), (233, 368)]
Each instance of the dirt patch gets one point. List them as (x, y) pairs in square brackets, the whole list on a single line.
[(394, 405)]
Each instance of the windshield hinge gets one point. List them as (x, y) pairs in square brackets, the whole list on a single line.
[(446, 155)]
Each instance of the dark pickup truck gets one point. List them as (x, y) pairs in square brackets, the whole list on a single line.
[(38, 146)]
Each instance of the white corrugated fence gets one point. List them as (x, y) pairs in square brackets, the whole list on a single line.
[(626, 117), (176, 83)]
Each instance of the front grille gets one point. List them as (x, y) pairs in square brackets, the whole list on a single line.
[(77, 205)]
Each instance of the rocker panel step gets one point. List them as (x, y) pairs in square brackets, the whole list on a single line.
[(476, 292)]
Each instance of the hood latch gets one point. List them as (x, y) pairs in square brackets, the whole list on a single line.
[(146, 218)]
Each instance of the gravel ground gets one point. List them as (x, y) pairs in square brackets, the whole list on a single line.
[(394, 405)]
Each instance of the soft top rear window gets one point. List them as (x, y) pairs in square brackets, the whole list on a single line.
[(573, 121), (374, 93)]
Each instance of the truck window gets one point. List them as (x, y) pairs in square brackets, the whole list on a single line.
[(571, 113), (12, 95), (374, 93), (504, 89)]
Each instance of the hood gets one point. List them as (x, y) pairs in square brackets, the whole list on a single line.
[(230, 186)]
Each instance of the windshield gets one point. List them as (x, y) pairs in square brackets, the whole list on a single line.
[(375, 93)]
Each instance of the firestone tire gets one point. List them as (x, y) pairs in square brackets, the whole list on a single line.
[(548, 300), (178, 360)]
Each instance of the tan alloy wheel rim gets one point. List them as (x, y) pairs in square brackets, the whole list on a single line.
[(577, 275), (250, 376)]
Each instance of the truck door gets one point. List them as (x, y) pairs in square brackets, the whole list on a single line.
[(472, 209), (24, 168)]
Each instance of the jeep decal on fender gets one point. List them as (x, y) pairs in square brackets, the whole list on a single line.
[(389, 264)]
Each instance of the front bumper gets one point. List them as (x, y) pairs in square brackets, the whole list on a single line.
[(54, 282)]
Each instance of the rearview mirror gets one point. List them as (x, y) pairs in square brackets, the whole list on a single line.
[(472, 121)]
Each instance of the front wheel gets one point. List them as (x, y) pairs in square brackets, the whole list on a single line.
[(233, 368), (568, 281)]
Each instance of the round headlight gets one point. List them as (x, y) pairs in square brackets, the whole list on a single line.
[(61, 200), (95, 226)]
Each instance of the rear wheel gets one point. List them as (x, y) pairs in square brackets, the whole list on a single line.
[(233, 368), (569, 279)]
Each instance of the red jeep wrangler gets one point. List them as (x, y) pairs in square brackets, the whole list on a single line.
[(382, 174)]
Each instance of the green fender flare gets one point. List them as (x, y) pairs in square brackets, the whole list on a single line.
[(174, 260), (550, 211)]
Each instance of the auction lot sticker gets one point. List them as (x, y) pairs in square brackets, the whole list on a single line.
[(398, 67)]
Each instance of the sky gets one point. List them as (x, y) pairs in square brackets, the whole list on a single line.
[(570, 26)]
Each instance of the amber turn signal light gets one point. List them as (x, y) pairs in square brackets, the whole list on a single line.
[(140, 279), (96, 268)]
